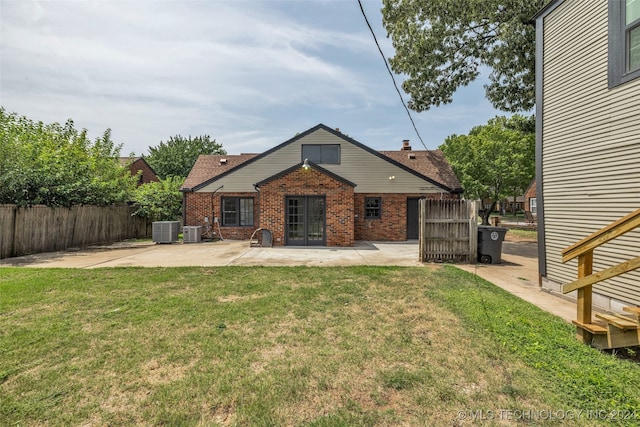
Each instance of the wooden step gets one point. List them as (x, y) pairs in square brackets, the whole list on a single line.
[(633, 310), (621, 322), (594, 328)]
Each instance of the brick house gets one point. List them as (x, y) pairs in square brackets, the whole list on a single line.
[(136, 164), (320, 187), (530, 200)]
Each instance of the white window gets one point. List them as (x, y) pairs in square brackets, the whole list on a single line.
[(533, 207)]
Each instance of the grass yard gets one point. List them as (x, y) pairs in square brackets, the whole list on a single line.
[(266, 346)]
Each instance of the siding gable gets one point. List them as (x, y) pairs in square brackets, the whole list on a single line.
[(368, 169)]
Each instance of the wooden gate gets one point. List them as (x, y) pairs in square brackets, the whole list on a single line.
[(448, 231)]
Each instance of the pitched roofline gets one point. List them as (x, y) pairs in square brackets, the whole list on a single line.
[(545, 10), (298, 166), (340, 135)]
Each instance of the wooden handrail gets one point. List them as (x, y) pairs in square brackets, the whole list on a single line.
[(583, 250), (610, 272), (602, 236)]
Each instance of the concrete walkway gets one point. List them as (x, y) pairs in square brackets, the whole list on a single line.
[(517, 274)]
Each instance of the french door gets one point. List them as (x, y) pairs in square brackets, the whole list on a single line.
[(305, 221)]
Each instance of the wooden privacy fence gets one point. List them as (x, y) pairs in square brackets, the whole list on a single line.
[(39, 229), (448, 230)]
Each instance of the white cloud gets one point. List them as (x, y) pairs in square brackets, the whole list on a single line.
[(248, 73)]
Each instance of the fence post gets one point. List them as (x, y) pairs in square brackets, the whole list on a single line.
[(473, 232), (422, 216)]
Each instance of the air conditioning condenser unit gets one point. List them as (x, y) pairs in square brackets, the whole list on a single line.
[(165, 231), (192, 234)]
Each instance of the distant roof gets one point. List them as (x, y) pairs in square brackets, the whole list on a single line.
[(431, 164), (126, 160), (209, 166)]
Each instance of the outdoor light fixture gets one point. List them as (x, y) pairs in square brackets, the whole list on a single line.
[(392, 177), (306, 165)]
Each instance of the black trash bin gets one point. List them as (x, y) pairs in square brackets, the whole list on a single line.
[(490, 244)]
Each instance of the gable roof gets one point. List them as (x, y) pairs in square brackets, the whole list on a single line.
[(199, 171), (432, 164)]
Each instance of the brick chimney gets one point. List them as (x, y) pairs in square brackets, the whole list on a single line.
[(405, 145)]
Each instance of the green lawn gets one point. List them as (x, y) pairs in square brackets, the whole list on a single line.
[(357, 346)]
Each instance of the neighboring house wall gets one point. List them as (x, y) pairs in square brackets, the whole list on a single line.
[(531, 202), (139, 164), (588, 148)]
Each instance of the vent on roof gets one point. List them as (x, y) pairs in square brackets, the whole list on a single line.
[(412, 155), (223, 161)]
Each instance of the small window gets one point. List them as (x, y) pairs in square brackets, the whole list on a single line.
[(624, 41), (533, 206), (322, 153), (237, 211), (372, 207)]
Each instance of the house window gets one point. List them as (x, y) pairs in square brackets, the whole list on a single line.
[(321, 153), (237, 211), (632, 34), (624, 41), (372, 207), (533, 206)]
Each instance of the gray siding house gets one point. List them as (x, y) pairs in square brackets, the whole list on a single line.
[(588, 138)]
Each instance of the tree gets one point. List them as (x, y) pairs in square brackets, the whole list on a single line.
[(494, 161), (57, 165), (159, 201), (177, 156), (442, 45)]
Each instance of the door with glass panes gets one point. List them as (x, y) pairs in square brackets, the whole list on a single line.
[(305, 221)]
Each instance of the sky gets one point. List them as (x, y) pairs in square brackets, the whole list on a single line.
[(250, 74)]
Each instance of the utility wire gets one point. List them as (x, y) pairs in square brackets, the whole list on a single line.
[(391, 74)]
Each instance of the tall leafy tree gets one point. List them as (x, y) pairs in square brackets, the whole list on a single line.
[(494, 161), (159, 201), (57, 165), (442, 45), (177, 156)]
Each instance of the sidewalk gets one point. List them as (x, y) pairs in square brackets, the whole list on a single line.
[(518, 274)]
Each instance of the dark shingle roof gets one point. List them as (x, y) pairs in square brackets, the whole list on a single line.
[(209, 166)]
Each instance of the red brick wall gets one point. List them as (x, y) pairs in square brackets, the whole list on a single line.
[(345, 216), (147, 173), (530, 194), (198, 206), (392, 225), (339, 204)]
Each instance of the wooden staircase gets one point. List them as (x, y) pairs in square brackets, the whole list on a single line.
[(609, 330)]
